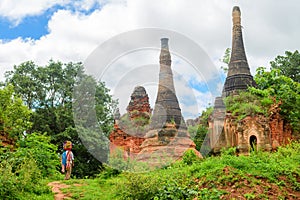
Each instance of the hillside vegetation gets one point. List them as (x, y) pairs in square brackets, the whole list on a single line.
[(261, 175)]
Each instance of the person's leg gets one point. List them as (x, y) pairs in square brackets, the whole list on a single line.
[(68, 174), (63, 168)]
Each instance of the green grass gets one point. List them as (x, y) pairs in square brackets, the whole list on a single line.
[(260, 175), (93, 188)]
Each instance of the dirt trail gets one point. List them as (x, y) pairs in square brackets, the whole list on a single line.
[(56, 189)]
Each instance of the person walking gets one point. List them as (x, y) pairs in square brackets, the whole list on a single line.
[(67, 160)]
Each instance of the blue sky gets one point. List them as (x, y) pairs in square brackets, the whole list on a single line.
[(69, 30), (35, 26), (30, 27)]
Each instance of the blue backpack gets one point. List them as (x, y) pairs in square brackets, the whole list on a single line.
[(64, 158)]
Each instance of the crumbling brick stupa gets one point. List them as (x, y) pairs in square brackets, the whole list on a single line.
[(253, 132), (124, 135), (165, 138)]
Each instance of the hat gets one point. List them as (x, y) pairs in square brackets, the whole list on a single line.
[(67, 145)]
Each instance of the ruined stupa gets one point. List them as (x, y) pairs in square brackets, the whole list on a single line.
[(167, 139), (127, 134), (139, 106), (253, 132)]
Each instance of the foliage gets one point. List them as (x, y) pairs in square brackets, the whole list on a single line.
[(23, 170), (14, 116), (205, 115), (226, 59), (229, 151), (198, 134), (272, 88), (17, 181), (48, 91), (247, 104), (282, 88), (199, 131), (108, 172), (105, 107), (118, 161), (136, 126), (289, 65), (260, 175), (39, 148), (190, 157), (139, 186)]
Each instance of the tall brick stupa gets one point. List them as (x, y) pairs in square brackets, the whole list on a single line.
[(166, 107), (238, 76), (238, 79), (167, 138), (253, 132)]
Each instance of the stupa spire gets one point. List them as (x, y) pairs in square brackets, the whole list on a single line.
[(238, 76), (166, 107)]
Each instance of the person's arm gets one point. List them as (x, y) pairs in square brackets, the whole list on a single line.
[(72, 158)]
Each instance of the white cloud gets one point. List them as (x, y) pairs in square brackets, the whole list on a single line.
[(15, 10)]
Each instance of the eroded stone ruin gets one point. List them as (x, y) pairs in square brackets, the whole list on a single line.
[(124, 135), (253, 132)]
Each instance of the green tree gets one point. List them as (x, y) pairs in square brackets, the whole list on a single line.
[(14, 117), (23, 78), (22, 171), (289, 65), (51, 100), (38, 147), (282, 88), (199, 131)]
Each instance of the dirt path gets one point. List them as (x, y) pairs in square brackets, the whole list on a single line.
[(56, 189)]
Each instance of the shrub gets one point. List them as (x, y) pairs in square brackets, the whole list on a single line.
[(18, 179), (38, 147), (140, 186), (22, 171), (190, 157)]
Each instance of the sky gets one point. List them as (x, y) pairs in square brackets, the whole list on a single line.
[(80, 30)]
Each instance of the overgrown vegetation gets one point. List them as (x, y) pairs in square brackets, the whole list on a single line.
[(273, 88), (248, 104), (136, 126), (199, 131), (23, 171), (258, 176)]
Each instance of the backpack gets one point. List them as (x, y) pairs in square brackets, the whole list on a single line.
[(67, 158)]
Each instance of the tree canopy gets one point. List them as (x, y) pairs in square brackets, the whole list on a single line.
[(48, 92), (14, 117), (289, 65)]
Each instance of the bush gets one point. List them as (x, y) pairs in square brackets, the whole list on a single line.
[(108, 172), (140, 186), (18, 179), (38, 147), (22, 171), (190, 157)]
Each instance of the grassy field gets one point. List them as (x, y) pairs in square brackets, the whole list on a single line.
[(261, 175)]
